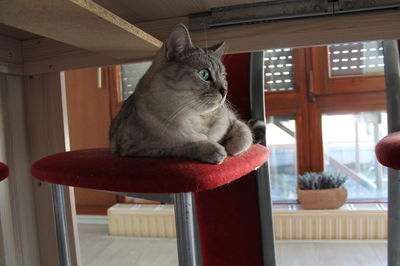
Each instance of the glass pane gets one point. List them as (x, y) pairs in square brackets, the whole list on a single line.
[(278, 70), (281, 140), (130, 76), (349, 147), (356, 58)]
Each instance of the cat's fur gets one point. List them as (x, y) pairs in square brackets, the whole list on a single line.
[(175, 113)]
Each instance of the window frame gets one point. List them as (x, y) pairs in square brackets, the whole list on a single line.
[(317, 93), (324, 84)]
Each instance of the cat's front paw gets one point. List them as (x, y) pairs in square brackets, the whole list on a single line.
[(238, 147), (212, 153), (239, 139), (240, 142)]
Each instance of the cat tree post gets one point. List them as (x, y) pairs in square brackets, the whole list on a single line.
[(61, 223), (239, 213), (187, 242)]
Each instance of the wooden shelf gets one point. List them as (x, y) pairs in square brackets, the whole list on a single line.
[(82, 24), (87, 33)]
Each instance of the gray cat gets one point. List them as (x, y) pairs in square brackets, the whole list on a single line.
[(178, 108)]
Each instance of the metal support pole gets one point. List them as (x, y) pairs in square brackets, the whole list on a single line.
[(392, 78), (187, 241), (263, 181), (61, 225), (197, 241)]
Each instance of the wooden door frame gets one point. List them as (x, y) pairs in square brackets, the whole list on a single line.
[(32, 125)]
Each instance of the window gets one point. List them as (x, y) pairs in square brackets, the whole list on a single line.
[(130, 76), (329, 120), (281, 136), (357, 58), (278, 69), (348, 67), (351, 151)]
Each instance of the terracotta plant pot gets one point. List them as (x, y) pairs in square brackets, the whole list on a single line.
[(333, 198)]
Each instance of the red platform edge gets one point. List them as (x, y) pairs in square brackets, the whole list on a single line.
[(387, 151), (100, 169), (3, 171)]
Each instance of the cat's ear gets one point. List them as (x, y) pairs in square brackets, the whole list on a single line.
[(178, 42), (219, 48)]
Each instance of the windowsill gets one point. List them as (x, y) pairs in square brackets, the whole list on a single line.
[(350, 222), (360, 207), (352, 201)]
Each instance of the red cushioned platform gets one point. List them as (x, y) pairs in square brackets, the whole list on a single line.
[(387, 151), (3, 171), (102, 170)]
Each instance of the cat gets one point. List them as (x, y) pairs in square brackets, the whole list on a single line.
[(179, 107)]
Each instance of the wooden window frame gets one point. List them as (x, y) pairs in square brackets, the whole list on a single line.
[(315, 94), (323, 84), (294, 102), (113, 79)]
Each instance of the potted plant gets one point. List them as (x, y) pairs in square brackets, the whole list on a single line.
[(321, 190)]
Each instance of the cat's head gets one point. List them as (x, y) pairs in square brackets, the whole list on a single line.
[(192, 73)]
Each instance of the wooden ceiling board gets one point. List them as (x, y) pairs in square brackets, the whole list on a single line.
[(45, 55), (16, 33), (161, 28), (10, 56), (149, 10), (81, 23), (136, 11)]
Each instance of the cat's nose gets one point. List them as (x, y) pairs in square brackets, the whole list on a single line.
[(223, 91)]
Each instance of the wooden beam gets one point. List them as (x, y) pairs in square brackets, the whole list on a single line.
[(376, 25), (306, 32), (80, 23), (10, 56)]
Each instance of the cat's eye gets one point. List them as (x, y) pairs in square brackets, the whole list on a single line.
[(205, 74)]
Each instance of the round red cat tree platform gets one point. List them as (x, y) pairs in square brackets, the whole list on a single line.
[(215, 190), (102, 170), (3, 171), (388, 151)]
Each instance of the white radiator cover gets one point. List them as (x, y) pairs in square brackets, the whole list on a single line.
[(142, 220), (351, 222)]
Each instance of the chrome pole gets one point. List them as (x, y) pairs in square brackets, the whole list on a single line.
[(187, 241), (392, 78), (257, 107), (60, 217)]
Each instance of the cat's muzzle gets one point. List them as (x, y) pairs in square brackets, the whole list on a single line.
[(223, 91)]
